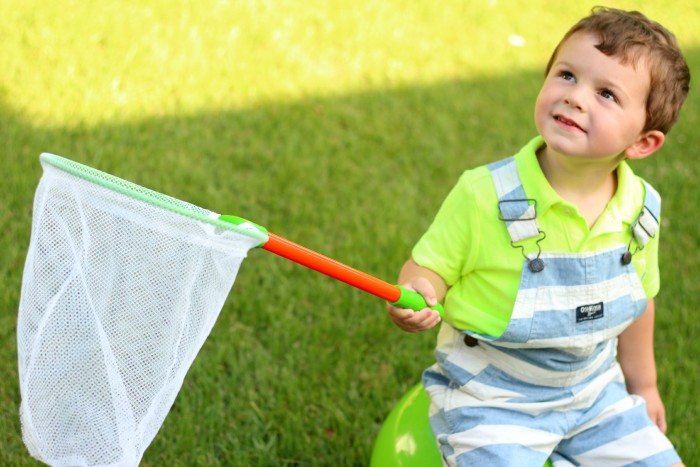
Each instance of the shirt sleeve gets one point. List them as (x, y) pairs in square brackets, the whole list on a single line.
[(446, 247)]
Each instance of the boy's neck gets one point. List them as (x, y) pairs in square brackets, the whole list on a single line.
[(587, 184)]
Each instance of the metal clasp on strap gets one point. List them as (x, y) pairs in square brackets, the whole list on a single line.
[(644, 228), (535, 264), (531, 203), (646, 225), (523, 211)]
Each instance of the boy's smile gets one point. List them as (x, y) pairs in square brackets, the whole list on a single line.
[(591, 105), (567, 123)]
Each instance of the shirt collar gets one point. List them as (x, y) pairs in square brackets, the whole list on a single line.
[(622, 210)]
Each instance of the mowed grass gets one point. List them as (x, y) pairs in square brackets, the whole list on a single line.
[(338, 125)]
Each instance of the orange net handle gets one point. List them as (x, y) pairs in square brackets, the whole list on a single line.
[(331, 267)]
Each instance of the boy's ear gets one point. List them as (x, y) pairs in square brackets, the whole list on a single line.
[(646, 145)]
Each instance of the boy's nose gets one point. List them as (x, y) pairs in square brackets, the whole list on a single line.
[(574, 99)]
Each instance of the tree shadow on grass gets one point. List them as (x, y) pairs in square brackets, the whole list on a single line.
[(300, 369)]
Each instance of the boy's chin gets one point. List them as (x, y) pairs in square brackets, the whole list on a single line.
[(555, 146), (573, 152), (570, 146)]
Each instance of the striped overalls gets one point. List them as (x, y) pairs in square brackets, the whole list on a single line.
[(550, 386)]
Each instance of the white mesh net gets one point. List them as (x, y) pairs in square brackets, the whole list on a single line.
[(118, 296)]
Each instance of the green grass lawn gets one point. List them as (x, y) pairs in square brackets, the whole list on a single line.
[(337, 125)]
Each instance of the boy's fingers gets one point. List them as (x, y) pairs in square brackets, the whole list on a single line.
[(403, 314), (427, 319), (418, 320), (661, 422)]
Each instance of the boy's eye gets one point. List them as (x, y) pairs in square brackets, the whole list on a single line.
[(607, 94), (567, 75)]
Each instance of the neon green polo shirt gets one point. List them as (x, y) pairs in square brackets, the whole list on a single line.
[(469, 247)]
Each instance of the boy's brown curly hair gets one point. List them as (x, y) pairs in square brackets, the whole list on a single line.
[(630, 36)]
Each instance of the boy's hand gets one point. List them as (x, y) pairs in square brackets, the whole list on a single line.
[(416, 321), (655, 406)]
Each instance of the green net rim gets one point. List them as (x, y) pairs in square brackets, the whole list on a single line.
[(146, 195)]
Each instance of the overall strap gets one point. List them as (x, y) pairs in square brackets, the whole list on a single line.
[(645, 227), (517, 211)]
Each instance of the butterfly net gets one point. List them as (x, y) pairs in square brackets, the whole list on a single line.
[(121, 287)]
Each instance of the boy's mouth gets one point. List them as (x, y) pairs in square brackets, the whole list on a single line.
[(568, 122)]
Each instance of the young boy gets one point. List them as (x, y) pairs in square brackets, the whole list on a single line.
[(547, 264)]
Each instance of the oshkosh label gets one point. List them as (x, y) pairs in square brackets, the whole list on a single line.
[(589, 312)]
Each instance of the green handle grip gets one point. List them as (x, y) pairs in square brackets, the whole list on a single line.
[(415, 301)]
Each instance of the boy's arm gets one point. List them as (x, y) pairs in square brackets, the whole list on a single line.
[(635, 349), (427, 283)]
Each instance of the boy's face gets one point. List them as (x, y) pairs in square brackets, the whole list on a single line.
[(591, 105)]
